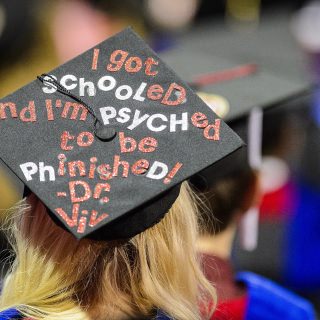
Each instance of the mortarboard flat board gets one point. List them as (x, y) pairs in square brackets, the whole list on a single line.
[(106, 139), (240, 86), (270, 44)]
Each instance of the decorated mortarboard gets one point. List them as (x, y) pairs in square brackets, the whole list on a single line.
[(239, 94), (106, 139)]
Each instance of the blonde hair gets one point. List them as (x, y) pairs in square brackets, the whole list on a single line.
[(55, 276)]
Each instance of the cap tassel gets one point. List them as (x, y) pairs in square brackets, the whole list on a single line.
[(103, 132), (48, 79), (249, 224)]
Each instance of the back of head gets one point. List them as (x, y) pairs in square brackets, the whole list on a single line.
[(55, 276), (225, 197)]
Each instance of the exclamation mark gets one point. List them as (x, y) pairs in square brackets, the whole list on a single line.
[(95, 59), (172, 173)]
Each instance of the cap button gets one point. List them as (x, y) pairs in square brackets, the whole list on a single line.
[(105, 133)]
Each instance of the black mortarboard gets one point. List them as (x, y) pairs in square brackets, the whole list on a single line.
[(240, 86), (270, 44), (106, 139)]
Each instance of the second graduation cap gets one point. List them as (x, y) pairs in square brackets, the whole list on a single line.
[(234, 88), (239, 94), (106, 139)]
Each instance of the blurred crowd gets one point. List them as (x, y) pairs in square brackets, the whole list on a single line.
[(281, 38)]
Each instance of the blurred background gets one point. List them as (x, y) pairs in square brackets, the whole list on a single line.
[(282, 37)]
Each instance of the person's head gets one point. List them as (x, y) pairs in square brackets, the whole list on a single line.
[(55, 276), (227, 198), (105, 174)]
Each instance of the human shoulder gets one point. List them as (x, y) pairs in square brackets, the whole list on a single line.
[(11, 314), (268, 300)]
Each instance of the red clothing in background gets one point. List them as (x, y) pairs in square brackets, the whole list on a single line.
[(232, 296)]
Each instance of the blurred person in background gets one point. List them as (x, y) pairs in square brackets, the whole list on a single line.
[(232, 190), (290, 168), (243, 88), (303, 244), (245, 295), (39, 35)]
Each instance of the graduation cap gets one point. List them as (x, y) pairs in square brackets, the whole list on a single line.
[(106, 139), (239, 93)]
